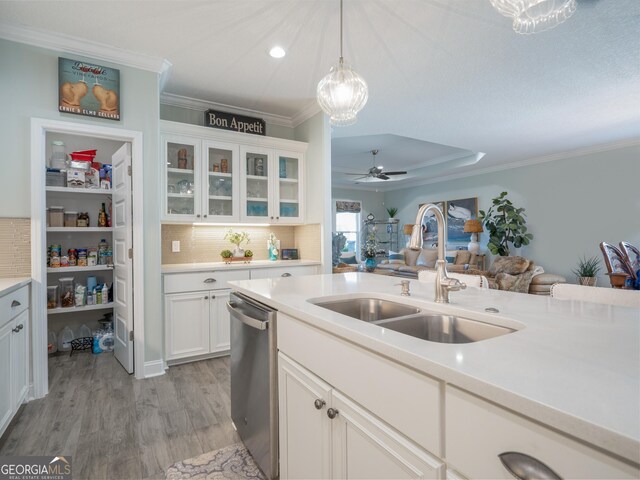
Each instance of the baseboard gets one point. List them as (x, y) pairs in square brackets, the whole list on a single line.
[(154, 369)]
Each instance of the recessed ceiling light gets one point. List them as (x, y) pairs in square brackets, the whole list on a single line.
[(277, 52)]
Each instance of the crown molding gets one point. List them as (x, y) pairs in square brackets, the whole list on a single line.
[(306, 113), (202, 105), (75, 46), (498, 168)]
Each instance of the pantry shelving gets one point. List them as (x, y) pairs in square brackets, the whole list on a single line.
[(93, 268), (84, 308), (80, 229), (76, 191)]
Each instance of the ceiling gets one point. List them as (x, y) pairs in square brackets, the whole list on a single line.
[(449, 72)]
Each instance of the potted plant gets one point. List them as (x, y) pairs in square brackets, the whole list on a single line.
[(226, 256), (237, 239), (392, 211), (248, 256), (587, 270), (505, 224), (369, 252)]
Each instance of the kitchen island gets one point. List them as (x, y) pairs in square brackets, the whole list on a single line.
[(565, 384)]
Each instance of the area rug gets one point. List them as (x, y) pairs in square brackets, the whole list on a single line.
[(232, 462)]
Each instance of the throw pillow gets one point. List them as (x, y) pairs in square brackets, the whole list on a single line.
[(462, 257), (349, 258), (396, 258), (511, 265), (427, 258)]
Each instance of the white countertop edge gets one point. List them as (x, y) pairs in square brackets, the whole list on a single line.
[(585, 431), (213, 266), (8, 285)]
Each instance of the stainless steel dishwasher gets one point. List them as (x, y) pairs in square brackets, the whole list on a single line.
[(254, 379)]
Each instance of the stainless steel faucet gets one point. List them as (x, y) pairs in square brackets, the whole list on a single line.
[(444, 284)]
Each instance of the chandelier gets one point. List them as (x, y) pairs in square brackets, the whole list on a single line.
[(342, 92), (533, 16)]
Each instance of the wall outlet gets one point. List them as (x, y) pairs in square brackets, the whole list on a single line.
[(175, 246)]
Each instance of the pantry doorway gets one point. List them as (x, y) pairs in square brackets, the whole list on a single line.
[(118, 277)]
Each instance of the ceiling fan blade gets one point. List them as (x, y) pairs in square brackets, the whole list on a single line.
[(394, 173), (345, 173), (382, 176), (360, 178)]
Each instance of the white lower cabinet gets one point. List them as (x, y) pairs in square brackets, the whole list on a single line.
[(14, 353), (186, 324), (219, 321), (323, 434)]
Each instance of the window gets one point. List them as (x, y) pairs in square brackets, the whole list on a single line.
[(348, 223)]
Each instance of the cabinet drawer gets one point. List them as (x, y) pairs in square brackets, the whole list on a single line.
[(13, 304), (477, 431), (283, 271), (403, 398), (201, 281)]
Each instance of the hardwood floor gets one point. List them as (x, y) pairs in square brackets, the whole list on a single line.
[(117, 427)]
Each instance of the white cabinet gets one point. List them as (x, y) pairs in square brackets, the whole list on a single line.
[(195, 314), (14, 351), (289, 271), (215, 176), (272, 190), (323, 434), (475, 454)]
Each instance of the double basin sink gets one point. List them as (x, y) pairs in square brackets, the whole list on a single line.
[(413, 321)]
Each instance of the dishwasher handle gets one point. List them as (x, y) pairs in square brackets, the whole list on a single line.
[(246, 319)]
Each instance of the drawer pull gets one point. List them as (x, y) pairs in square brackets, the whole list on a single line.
[(332, 413), (525, 467), (210, 280), (287, 274), (319, 403), (15, 304)]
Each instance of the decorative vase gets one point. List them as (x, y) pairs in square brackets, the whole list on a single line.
[(370, 264), (588, 281), (273, 253), (238, 252)]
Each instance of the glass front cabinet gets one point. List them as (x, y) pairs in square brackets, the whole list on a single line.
[(211, 181)]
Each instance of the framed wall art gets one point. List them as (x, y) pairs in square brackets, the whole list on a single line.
[(457, 213), (430, 226), (88, 89)]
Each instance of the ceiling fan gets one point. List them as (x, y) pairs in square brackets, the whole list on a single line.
[(375, 172)]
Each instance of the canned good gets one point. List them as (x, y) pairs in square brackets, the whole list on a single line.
[(73, 257)]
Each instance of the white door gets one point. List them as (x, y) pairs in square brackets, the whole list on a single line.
[(220, 321), (365, 448), (305, 435), (122, 256), (19, 354), (186, 317), (6, 399)]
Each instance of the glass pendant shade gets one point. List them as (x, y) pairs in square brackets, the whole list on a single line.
[(342, 94), (532, 16)]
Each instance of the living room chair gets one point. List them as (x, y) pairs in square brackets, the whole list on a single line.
[(608, 296), (632, 254), (616, 262)]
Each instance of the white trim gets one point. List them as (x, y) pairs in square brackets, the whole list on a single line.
[(498, 168), (173, 100), (39, 128), (76, 46), (155, 368)]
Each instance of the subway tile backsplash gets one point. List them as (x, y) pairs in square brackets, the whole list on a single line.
[(200, 244), (15, 247)]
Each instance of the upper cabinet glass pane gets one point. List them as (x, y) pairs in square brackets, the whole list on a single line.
[(181, 179), (220, 181)]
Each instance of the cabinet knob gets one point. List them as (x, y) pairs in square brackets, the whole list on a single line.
[(206, 297), (286, 274), (271, 218), (332, 413), (18, 328), (198, 215), (525, 467), (319, 403), (277, 218), (205, 215), (15, 304)]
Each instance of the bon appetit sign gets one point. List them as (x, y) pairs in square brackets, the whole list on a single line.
[(236, 123)]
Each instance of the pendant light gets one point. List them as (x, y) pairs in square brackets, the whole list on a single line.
[(532, 16), (342, 93)]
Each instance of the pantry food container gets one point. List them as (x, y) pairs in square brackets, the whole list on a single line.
[(67, 298), (53, 300), (56, 178), (58, 157), (70, 219), (56, 216)]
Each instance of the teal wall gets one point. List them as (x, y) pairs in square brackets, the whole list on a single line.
[(29, 81), (571, 204)]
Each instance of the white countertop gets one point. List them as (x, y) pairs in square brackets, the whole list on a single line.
[(572, 365), (8, 285), (213, 266)]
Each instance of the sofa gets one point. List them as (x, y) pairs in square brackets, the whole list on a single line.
[(408, 262)]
